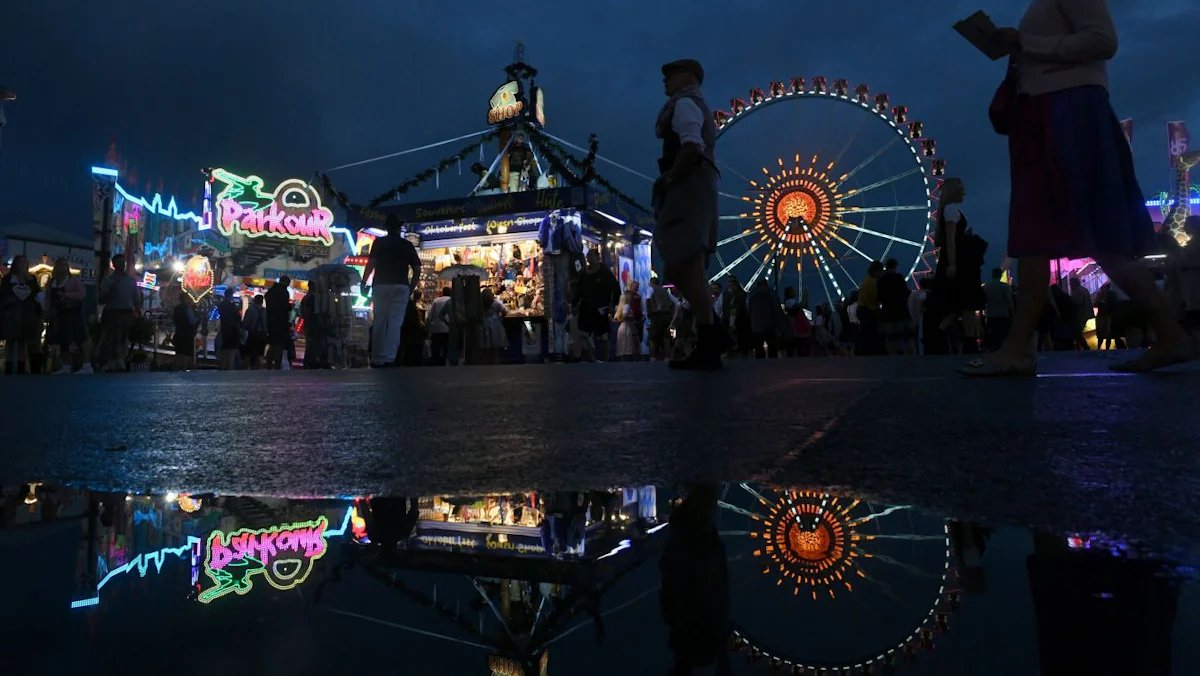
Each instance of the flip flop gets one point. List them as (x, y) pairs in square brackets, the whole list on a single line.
[(981, 368), (1154, 360)]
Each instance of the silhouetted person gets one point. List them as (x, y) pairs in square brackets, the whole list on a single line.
[(695, 587)]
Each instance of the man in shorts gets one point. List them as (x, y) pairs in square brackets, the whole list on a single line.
[(685, 203)]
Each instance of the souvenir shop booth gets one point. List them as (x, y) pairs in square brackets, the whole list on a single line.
[(525, 246), (525, 227)]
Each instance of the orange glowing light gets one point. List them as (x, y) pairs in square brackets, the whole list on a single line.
[(794, 205)]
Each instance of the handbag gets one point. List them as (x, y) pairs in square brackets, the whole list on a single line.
[(1004, 102)]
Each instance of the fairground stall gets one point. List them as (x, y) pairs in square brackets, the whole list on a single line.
[(242, 236), (525, 227)]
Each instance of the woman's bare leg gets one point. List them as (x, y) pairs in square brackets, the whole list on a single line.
[(1135, 280), (1033, 273)]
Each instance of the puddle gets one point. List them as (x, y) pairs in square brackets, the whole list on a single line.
[(795, 581)]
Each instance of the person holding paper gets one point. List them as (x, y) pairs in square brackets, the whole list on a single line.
[(1074, 192)]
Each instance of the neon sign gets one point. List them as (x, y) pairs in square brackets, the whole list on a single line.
[(282, 555), (506, 103), (198, 277), (293, 211)]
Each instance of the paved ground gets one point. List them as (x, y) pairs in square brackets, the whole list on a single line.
[(1077, 448)]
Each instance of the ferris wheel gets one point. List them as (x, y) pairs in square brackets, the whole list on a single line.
[(829, 583), (851, 180)]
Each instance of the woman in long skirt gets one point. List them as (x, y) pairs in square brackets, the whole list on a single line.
[(1074, 192)]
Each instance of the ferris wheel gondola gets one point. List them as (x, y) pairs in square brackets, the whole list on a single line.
[(813, 213)]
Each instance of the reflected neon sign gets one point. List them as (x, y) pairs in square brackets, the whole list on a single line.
[(293, 211), (282, 555)]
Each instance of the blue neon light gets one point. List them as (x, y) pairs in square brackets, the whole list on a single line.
[(105, 171), (140, 563), (1159, 203), (348, 234), (345, 524), (171, 210)]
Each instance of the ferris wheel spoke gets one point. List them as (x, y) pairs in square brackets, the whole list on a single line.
[(909, 537), (885, 210), (850, 246), (735, 217), (885, 587), (821, 274), (833, 278), (886, 181), (876, 233), (876, 515), (757, 496), (870, 158), (824, 131), (853, 282), (862, 121), (907, 567), (738, 510), (735, 172), (732, 197), (725, 270), (758, 273), (734, 238)]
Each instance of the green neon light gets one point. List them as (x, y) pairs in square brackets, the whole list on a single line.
[(256, 551)]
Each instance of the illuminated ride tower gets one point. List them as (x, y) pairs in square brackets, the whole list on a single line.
[(517, 102)]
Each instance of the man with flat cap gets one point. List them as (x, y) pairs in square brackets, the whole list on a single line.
[(685, 203)]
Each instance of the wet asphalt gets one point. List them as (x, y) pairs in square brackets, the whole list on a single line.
[(1075, 449)]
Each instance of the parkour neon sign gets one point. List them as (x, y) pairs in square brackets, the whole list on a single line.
[(293, 211), (282, 555)]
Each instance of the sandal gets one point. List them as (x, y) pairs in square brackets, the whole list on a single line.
[(1153, 360), (982, 368)]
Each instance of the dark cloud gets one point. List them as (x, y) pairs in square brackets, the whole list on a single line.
[(284, 90)]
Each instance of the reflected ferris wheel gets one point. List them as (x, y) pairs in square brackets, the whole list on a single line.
[(853, 180), (828, 583)]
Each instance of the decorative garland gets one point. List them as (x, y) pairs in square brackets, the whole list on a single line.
[(429, 173), (344, 202), (557, 162), (558, 157), (588, 166)]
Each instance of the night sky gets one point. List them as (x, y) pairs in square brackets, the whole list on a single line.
[(285, 92)]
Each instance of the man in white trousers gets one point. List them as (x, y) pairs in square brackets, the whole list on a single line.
[(397, 268)]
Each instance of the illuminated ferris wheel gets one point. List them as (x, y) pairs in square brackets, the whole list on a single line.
[(826, 583), (852, 180)]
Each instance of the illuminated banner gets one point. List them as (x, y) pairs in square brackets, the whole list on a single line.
[(539, 106), (294, 275), (293, 211), (506, 103), (1177, 140), (430, 537), (282, 555), (482, 227)]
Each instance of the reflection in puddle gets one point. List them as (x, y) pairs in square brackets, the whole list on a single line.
[(737, 578)]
